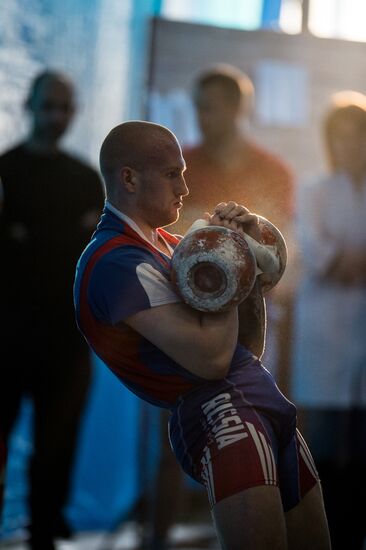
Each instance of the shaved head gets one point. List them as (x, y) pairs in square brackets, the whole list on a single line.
[(135, 144), (142, 167)]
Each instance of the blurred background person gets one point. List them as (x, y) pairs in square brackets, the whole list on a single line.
[(227, 162), (329, 360), (51, 202)]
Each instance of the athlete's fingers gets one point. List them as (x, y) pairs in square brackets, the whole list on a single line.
[(215, 219), (219, 207), (237, 213), (250, 225), (218, 220), (231, 210), (246, 218), (224, 209), (238, 227)]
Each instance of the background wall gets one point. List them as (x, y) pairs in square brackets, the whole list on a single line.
[(293, 77), (91, 40)]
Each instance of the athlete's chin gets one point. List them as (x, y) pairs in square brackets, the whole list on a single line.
[(174, 217)]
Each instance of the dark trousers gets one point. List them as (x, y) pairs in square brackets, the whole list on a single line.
[(337, 439), (48, 361)]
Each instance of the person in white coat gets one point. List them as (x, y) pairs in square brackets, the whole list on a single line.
[(329, 361)]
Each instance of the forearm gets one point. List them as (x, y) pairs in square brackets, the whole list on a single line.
[(219, 333), (252, 321), (202, 343)]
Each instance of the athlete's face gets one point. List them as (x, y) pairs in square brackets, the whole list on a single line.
[(161, 185)]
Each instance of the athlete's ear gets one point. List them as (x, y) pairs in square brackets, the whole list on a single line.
[(129, 178)]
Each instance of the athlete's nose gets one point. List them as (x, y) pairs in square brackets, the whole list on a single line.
[(182, 189)]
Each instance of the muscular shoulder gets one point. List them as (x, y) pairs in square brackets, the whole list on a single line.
[(129, 279), (124, 263)]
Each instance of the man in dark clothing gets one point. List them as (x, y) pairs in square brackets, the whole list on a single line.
[(50, 202)]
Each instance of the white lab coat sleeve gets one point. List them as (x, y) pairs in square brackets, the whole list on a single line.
[(317, 248)]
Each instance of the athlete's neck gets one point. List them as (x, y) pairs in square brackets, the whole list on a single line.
[(152, 235)]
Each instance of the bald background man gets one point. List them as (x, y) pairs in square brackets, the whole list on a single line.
[(190, 362), (51, 201)]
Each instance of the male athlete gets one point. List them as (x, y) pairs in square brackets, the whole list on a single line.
[(230, 426)]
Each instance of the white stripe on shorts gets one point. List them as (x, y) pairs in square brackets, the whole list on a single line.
[(270, 458), (208, 475), (306, 455), (262, 456)]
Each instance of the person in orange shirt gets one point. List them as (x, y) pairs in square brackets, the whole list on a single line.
[(227, 162)]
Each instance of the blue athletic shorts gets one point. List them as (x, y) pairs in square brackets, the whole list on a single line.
[(240, 432)]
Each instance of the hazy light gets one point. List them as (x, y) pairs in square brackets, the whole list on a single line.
[(228, 13), (338, 19), (352, 14), (291, 16), (327, 18)]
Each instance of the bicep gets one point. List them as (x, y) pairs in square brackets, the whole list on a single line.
[(196, 342), (135, 293), (173, 328)]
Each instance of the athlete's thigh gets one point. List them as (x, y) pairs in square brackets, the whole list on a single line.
[(239, 471), (239, 453), (252, 519), (302, 497), (297, 471), (306, 523)]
